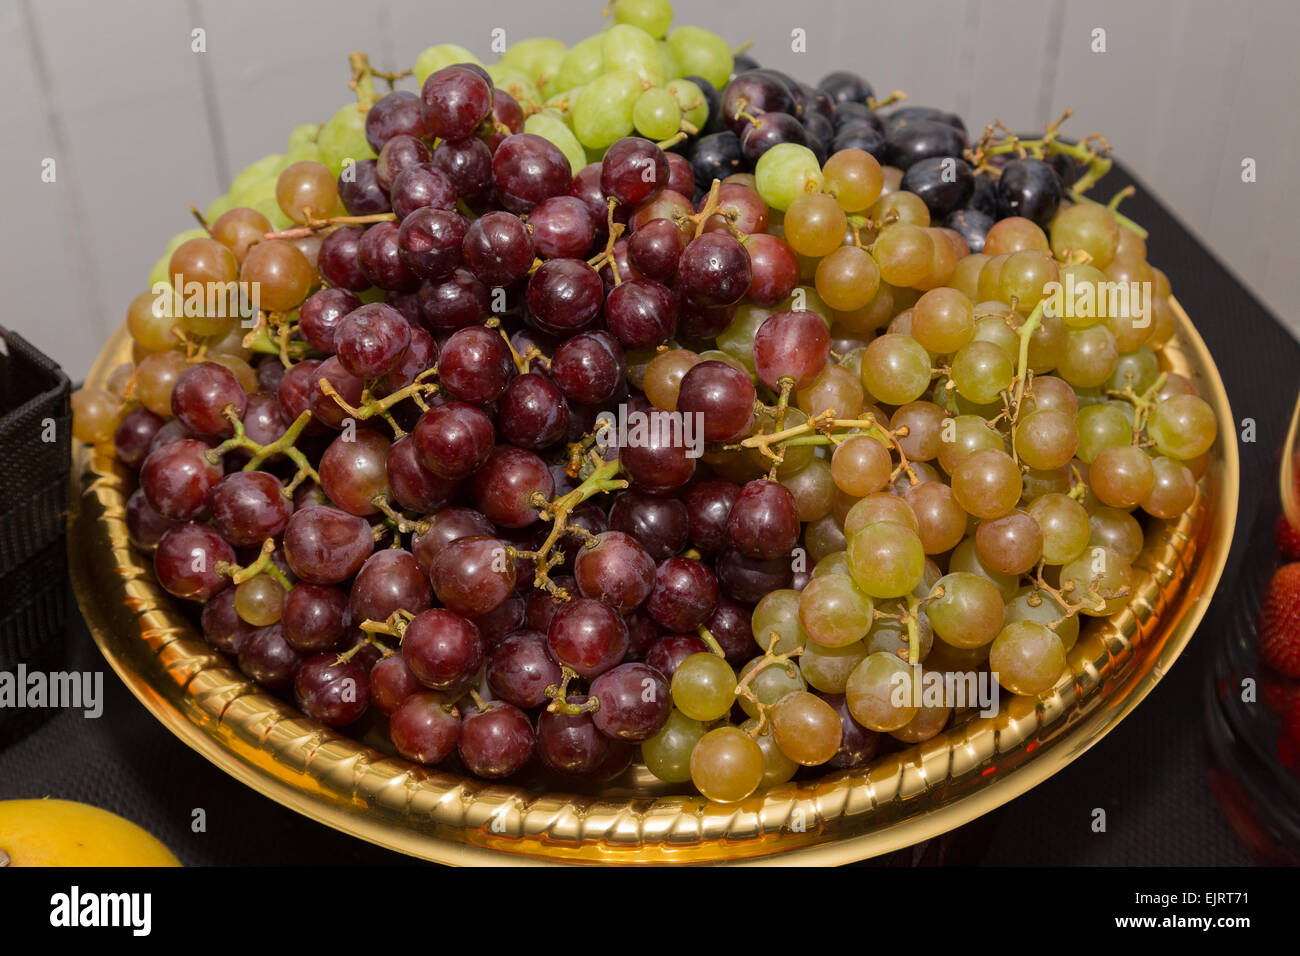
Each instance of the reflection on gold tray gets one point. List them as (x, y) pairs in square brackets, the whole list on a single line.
[(898, 800)]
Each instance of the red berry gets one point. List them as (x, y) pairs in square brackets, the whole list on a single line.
[(1288, 539), (1279, 626)]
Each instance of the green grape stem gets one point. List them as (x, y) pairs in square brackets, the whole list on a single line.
[(707, 637), (262, 565), (557, 693), (769, 658), (284, 445), (370, 407), (363, 81)]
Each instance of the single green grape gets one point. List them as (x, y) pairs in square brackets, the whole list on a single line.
[(833, 611), (691, 101), (886, 559), (1031, 604), (667, 754), (969, 612), (584, 62), (786, 172), (879, 692), (704, 686), (1183, 426), (434, 58), (777, 767), (255, 172), (778, 612), (652, 16), (1100, 426), (656, 114), (515, 82), (981, 371), (602, 112), (627, 47), (770, 684), (344, 137), (672, 67), (703, 53), (1027, 657), (828, 668)]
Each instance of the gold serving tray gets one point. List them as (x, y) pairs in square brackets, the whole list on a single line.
[(898, 800)]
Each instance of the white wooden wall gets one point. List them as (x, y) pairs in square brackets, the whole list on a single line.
[(141, 127)]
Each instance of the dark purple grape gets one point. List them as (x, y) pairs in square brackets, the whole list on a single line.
[(633, 170), (943, 183), (380, 255), (454, 439), (420, 187), (413, 485), (793, 345), (354, 472), (508, 616), (696, 321), (323, 407), (667, 653), (763, 522), (527, 169), (336, 694), (420, 356), (222, 626), (430, 239), (360, 192), (769, 129), (589, 367), (476, 365), (473, 575), (508, 113), (495, 741), (909, 141), (520, 668), (564, 295), (684, 595), (507, 485), (751, 93), (642, 632), (748, 580), (424, 729), (325, 545), (250, 506), (660, 463), (1030, 188), (444, 527), (442, 649), (186, 561), (201, 395), (532, 413), (134, 435), (269, 659), (615, 569), (391, 683), (634, 702), (562, 228), (454, 100), (371, 340), (393, 114), (844, 87), (320, 315), (294, 394), (390, 580), (681, 177), (660, 524), (144, 525), (642, 313), (723, 395), (570, 743), (655, 249), (454, 302), (339, 259), (972, 225), (315, 617), (498, 249), (588, 636), (731, 628), (398, 155), (716, 156), (857, 744), (714, 269), (467, 164), (178, 479), (270, 370)]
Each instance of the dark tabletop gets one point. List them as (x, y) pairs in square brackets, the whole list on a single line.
[(1148, 774)]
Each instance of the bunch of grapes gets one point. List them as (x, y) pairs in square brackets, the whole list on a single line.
[(393, 497)]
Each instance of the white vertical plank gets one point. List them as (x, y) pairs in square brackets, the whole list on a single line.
[(1014, 40)]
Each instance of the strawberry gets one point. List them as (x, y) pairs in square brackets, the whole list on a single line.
[(1279, 625), (1288, 539), (1288, 744)]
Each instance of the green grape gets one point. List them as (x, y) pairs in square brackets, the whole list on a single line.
[(879, 693), (1086, 306), (981, 371), (785, 172), (434, 58), (1023, 276), (667, 754), (652, 16), (1121, 476), (778, 611), (965, 557), (770, 684), (892, 637), (837, 562), (703, 53), (178, 240), (895, 368), (303, 152), (537, 57), (1064, 524), (218, 206), (515, 82), (602, 112), (691, 101), (261, 196), (159, 271), (962, 435), (656, 114), (1183, 426), (253, 173), (969, 612), (886, 559), (1027, 658), (1090, 358), (993, 328), (881, 506), (344, 137), (1031, 604), (302, 135), (1137, 370), (727, 765), (828, 668), (813, 489), (550, 126), (943, 321), (630, 48), (562, 106), (1046, 439), (672, 67), (704, 687), (737, 339), (1086, 227), (777, 767), (987, 483), (1116, 530), (1099, 578), (904, 253), (1104, 425), (584, 62), (1172, 491), (833, 611)]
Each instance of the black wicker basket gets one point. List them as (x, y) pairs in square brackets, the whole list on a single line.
[(35, 450)]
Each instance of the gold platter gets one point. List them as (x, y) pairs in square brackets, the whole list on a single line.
[(898, 800)]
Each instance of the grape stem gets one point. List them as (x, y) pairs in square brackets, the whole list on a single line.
[(558, 511), (370, 407), (707, 637), (202, 220), (367, 640), (284, 445), (825, 429), (707, 211), (1141, 403), (262, 565), (913, 630), (769, 658), (362, 80), (557, 693), (606, 258), (394, 625), (314, 227)]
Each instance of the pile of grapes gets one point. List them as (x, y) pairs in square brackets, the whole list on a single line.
[(395, 483)]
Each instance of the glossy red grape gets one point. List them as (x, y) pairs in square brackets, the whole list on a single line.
[(633, 170), (178, 479), (589, 367), (323, 407), (564, 296), (763, 521), (394, 114), (473, 575), (134, 435), (268, 658), (495, 741), (505, 487), (320, 315), (379, 251), (454, 302), (222, 626), (424, 729), (562, 228), (661, 525), (723, 395), (571, 743), (325, 545), (714, 269), (498, 248), (707, 506), (361, 193), (615, 569), (791, 344), (667, 653), (339, 259), (249, 506), (467, 164), (528, 169), (430, 240), (399, 154), (354, 471), (444, 527), (201, 394), (642, 313), (390, 580), (655, 248), (144, 525), (391, 683), (336, 694), (315, 617), (634, 702), (475, 365), (748, 580), (588, 636), (413, 485), (520, 668), (685, 594), (454, 439), (730, 625), (442, 649)]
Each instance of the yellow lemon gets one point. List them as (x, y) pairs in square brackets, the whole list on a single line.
[(64, 833)]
